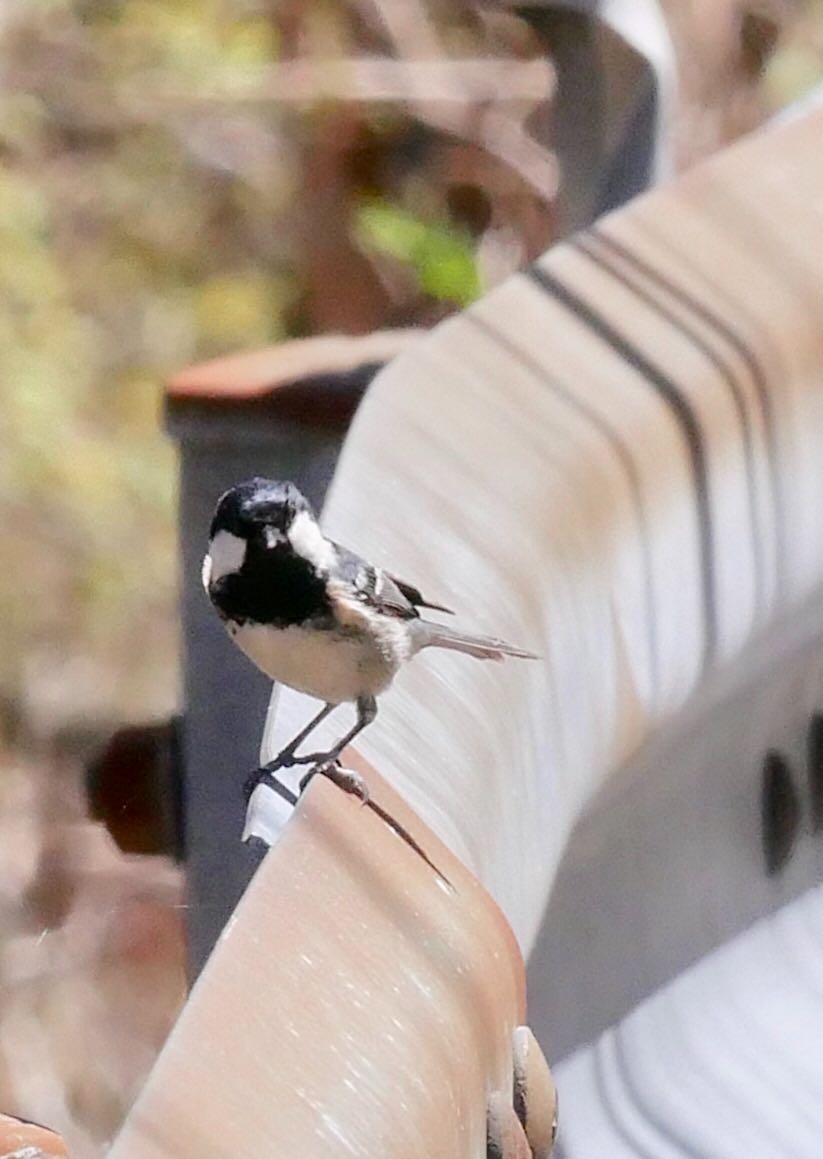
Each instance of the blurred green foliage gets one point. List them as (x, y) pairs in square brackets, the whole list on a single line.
[(441, 256), (146, 223), (127, 249)]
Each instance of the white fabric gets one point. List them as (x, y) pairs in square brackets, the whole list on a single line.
[(724, 1062)]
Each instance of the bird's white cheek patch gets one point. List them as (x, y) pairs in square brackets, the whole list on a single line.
[(226, 555), (308, 540)]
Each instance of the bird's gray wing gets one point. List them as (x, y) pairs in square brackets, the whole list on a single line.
[(378, 589)]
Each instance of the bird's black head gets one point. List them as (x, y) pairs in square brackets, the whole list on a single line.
[(267, 558), (245, 509)]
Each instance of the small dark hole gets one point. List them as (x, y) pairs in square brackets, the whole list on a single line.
[(814, 759), (470, 207), (780, 812)]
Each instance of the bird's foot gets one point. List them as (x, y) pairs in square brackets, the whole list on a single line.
[(346, 779), (318, 760), (283, 760), (288, 758)]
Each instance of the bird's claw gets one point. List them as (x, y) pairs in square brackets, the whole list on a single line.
[(346, 779), (283, 760), (289, 758)]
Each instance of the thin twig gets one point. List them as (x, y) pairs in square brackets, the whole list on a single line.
[(287, 794), (404, 835)]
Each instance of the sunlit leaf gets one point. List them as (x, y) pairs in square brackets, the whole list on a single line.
[(441, 256)]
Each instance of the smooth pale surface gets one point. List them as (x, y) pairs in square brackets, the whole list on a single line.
[(724, 1062), (668, 862)]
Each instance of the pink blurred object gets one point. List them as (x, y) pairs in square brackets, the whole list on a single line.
[(351, 978), (22, 1140)]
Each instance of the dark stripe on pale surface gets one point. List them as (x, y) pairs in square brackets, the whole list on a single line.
[(609, 1109), (725, 330), (686, 420), (584, 245), (622, 452), (760, 376), (643, 1104)]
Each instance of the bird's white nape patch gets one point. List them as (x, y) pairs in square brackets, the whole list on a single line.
[(309, 541), (226, 555), (205, 571)]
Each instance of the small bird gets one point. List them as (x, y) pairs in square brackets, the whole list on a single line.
[(315, 616)]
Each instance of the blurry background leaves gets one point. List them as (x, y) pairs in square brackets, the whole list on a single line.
[(179, 179), (157, 206), (440, 253)]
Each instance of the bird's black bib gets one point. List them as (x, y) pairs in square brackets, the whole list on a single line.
[(274, 586)]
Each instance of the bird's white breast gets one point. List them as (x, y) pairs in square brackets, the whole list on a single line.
[(325, 664)]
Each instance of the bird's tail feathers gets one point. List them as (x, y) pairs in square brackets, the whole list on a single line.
[(483, 647)]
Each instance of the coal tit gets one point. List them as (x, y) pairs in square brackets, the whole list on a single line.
[(313, 615)]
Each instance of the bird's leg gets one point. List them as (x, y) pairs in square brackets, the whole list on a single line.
[(366, 712), (327, 765), (284, 758), (264, 775)]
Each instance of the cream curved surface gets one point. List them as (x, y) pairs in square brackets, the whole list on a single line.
[(617, 460), (614, 459)]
